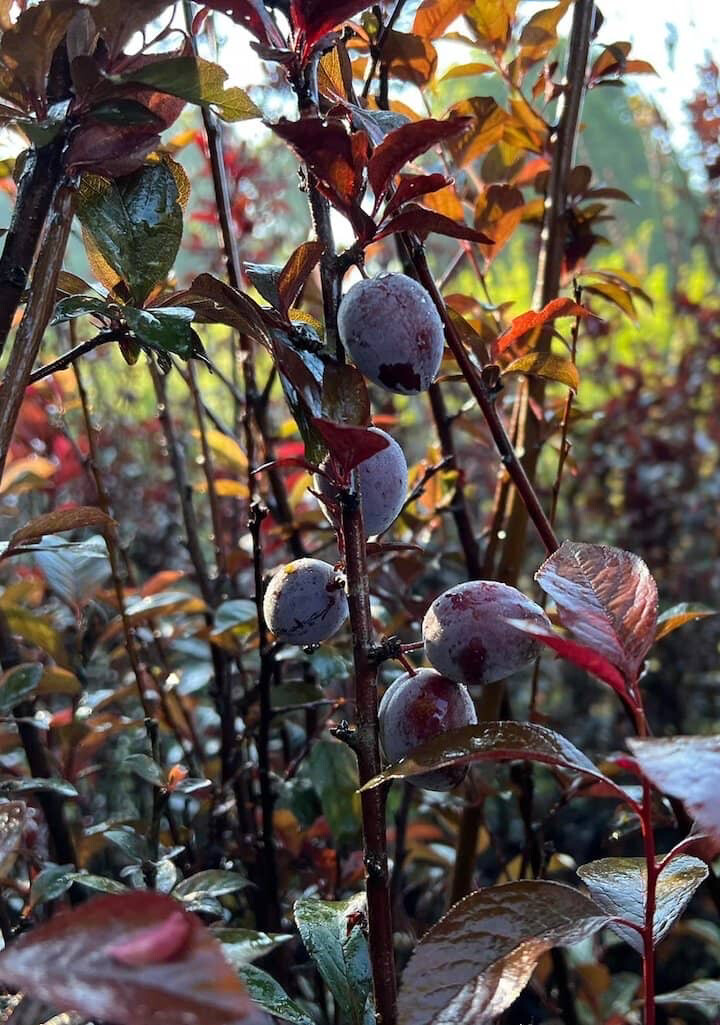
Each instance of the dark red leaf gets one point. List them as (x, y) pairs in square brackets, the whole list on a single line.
[(412, 186), (532, 319), (111, 150), (337, 161), (251, 14), (422, 222), (133, 959), (348, 446), (315, 18), (578, 654), (296, 271), (607, 598), (405, 144)]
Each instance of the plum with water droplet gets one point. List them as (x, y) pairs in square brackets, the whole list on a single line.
[(305, 602), (414, 709), (383, 485), (393, 332), (467, 637)]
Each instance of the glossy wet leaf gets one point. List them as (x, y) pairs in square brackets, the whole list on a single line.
[(332, 934), (165, 329), (242, 946), (234, 613), (271, 997), (477, 960), (198, 81), (77, 306), (51, 883), (619, 886), (214, 882), (68, 961), (679, 615), (494, 742), (130, 842), (19, 684), (687, 768), (703, 995), (135, 223), (606, 597)]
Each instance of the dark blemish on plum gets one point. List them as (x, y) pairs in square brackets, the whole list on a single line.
[(423, 340), (460, 600), (472, 660), (399, 375)]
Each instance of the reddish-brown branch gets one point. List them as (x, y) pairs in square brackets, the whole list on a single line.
[(39, 309), (367, 749)]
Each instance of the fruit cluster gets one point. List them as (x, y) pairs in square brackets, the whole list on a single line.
[(392, 331)]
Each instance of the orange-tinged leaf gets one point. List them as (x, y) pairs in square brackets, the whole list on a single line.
[(296, 272), (64, 519), (488, 125), (679, 615), (492, 21), (532, 320), (468, 70), (434, 16), (540, 33), (544, 364), (478, 958), (26, 472), (410, 57), (405, 144)]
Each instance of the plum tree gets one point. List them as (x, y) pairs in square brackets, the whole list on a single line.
[(305, 602), (383, 485), (393, 332), (415, 708), (467, 637)]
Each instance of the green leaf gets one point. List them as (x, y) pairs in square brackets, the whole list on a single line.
[(619, 885), (147, 769), (679, 615), (211, 883), (77, 306), (231, 614), (270, 996), (119, 111), (703, 995), (333, 771), (198, 81), (33, 785), (333, 936), (478, 958), (135, 223), (164, 329), (241, 946), (74, 570), (18, 684), (99, 883), (130, 843), (52, 882)]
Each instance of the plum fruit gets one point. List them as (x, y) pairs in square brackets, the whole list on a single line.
[(466, 635), (416, 708), (393, 332), (305, 602), (383, 485)]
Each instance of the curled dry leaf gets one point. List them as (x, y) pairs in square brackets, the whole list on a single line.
[(607, 598), (63, 519), (619, 886), (687, 768), (474, 963), (133, 959)]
